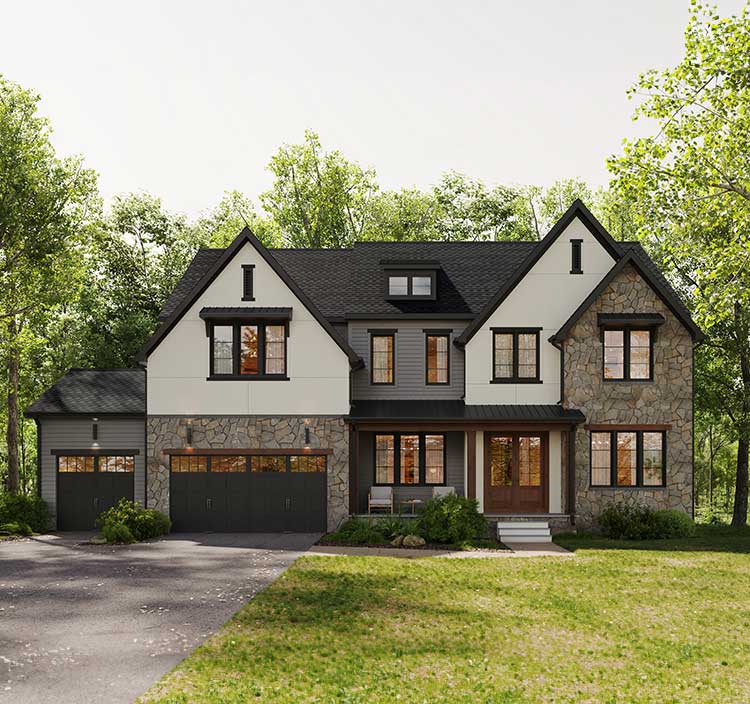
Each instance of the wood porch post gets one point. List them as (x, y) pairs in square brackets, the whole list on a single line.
[(353, 469), (572, 475), (471, 464)]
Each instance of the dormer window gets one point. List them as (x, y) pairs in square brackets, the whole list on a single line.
[(410, 285)]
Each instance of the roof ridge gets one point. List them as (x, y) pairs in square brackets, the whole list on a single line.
[(105, 369)]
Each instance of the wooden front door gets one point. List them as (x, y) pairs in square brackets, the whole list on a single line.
[(515, 473)]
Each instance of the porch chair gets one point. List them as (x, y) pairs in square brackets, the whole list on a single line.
[(380, 497), (438, 492)]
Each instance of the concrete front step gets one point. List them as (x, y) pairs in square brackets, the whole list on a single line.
[(524, 532)]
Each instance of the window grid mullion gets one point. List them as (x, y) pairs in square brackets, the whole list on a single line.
[(613, 458), (515, 355), (639, 458)]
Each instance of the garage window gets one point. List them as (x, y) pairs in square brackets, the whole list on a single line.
[(70, 463), (230, 463), (308, 463), (116, 463), (189, 463), (268, 463)]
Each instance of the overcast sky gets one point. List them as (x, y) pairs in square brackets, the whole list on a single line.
[(188, 99)]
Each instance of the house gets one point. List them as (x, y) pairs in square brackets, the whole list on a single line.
[(545, 379)]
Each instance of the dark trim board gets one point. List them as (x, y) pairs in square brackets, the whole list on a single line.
[(230, 451), (96, 452)]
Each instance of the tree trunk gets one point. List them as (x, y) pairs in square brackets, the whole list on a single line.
[(14, 363), (739, 515)]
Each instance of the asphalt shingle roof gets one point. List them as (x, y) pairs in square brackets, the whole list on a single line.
[(94, 391)]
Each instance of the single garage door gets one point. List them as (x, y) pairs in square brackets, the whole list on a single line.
[(265, 493), (88, 485)]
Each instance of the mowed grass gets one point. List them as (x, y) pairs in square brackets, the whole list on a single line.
[(669, 624)]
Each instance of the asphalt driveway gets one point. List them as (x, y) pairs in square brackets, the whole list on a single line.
[(82, 623)]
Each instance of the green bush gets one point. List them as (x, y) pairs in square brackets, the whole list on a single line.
[(358, 531), (451, 519), (30, 510), (15, 528), (141, 523), (116, 532), (391, 526), (633, 521)]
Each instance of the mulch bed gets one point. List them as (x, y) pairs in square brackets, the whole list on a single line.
[(426, 546)]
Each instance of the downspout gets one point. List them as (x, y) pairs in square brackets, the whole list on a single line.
[(571, 460), (38, 457)]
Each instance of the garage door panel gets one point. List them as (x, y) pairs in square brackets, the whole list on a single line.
[(81, 497)]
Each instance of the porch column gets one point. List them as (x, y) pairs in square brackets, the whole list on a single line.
[(353, 470), (471, 464), (572, 475)]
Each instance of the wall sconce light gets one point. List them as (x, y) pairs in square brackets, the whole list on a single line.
[(307, 434), (94, 432), (189, 433)]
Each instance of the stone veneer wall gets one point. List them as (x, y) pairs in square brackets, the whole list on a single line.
[(668, 399), (250, 432)]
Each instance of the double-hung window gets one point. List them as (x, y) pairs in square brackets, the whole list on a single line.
[(248, 350), (382, 356), (437, 356), (635, 458), (409, 459), (515, 355), (628, 354)]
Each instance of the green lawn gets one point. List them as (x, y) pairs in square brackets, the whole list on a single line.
[(669, 624)]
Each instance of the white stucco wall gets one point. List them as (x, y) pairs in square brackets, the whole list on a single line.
[(317, 367), (545, 298)]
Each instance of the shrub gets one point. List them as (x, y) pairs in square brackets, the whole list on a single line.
[(451, 519), (392, 526), (633, 521), (29, 510), (15, 528), (141, 523), (358, 531), (116, 532)]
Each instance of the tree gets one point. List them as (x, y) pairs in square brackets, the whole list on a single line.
[(43, 202), (319, 199), (138, 254), (688, 187), (235, 211)]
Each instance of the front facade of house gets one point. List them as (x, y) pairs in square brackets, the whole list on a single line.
[(544, 379)]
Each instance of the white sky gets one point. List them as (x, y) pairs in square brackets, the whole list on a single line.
[(188, 99)]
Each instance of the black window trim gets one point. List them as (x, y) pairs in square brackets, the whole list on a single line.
[(410, 274), (236, 344), (639, 460), (515, 379), (248, 275), (576, 251), (377, 332), (248, 462), (397, 459), (437, 333), (626, 330)]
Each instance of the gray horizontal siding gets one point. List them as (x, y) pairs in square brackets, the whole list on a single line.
[(410, 369), (75, 433), (454, 471)]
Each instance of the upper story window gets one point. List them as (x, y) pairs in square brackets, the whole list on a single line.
[(628, 458), (515, 355), (419, 285), (248, 282), (382, 356), (437, 356), (248, 350), (628, 354), (576, 257)]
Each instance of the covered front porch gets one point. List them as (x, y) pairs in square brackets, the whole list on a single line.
[(513, 459)]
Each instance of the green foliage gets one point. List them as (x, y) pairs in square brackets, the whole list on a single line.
[(687, 188), (632, 521), (391, 526), (29, 510), (142, 523), (234, 212), (15, 528), (358, 531), (117, 532), (451, 519)]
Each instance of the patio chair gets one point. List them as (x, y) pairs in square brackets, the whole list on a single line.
[(380, 497), (438, 492)]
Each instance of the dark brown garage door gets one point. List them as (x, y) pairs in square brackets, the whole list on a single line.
[(88, 485), (264, 493)]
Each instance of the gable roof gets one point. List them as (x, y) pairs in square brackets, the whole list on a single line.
[(666, 293), (577, 209), (94, 392), (216, 267)]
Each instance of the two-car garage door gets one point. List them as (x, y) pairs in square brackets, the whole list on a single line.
[(264, 492)]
